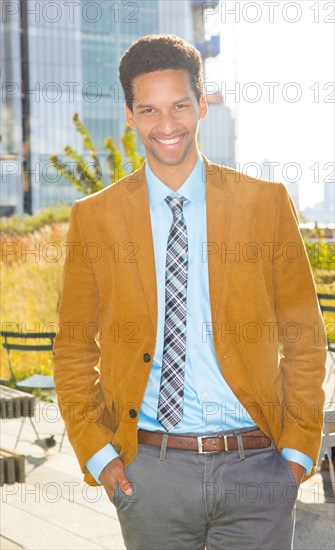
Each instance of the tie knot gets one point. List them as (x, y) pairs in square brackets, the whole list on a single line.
[(176, 205)]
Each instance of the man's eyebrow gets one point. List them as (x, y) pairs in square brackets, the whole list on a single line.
[(146, 105)]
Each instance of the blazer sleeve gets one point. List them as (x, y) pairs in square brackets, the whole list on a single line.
[(301, 333), (77, 351)]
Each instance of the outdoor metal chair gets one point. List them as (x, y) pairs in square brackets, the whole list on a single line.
[(327, 304), (328, 441), (39, 342)]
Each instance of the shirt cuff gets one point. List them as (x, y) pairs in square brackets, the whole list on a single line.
[(300, 458), (96, 464)]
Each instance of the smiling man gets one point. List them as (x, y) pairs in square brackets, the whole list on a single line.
[(166, 365), (171, 148)]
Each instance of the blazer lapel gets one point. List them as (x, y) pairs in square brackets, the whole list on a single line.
[(218, 209), (137, 212)]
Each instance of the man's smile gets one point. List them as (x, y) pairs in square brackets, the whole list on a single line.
[(172, 142)]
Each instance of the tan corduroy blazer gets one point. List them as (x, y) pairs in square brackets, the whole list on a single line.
[(261, 294)]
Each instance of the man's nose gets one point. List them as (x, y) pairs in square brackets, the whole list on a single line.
[(167, 125)]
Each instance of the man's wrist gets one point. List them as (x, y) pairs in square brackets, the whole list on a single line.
[(100, 460), (293, 455)]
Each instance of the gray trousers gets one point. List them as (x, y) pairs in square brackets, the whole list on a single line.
[(184, 500)]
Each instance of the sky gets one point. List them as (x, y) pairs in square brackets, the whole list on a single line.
[(293, 52)]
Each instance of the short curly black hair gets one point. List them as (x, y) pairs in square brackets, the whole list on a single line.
[(156, 52)]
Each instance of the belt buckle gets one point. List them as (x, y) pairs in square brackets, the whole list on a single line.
[(201, 437)]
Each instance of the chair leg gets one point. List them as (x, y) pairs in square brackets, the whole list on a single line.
[(34, 428), (330, 374), (331, 469), (62, 440), (23, 420), (20, 431)]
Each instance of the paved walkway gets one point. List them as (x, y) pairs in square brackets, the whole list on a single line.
[(55, 510)]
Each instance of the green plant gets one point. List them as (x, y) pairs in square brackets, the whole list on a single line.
[(321, 254), (21, 225), (87, 176), (40, 394)]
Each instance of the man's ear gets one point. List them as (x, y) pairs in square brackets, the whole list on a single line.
[(129, 116), (203, 107)]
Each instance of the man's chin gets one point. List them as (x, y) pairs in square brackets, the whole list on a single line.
[(169, 160)]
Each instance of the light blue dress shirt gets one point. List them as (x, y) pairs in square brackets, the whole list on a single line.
[(209, 403)]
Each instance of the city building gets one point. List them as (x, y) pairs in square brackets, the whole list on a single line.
[(61, 58), (11, 187), (267, 172), (323, 212)]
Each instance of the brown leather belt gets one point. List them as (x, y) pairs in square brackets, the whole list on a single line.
[(254, 439)]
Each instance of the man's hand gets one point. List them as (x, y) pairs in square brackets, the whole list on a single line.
[(113, 474), (298, 470)]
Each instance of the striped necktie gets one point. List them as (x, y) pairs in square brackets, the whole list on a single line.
[(171, 392)]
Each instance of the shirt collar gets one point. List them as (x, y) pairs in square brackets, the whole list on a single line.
[(192, 189)]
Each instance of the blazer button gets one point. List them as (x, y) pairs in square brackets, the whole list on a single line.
[(147, 357), (132, 413)]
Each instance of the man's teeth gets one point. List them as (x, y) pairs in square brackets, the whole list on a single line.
[(169, 141)]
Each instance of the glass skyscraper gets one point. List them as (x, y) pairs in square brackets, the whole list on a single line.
[(60, 58)]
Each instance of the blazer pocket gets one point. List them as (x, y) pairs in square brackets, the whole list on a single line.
[(109, 417)]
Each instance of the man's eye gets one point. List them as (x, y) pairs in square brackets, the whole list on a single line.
[(148, 110), (180, 105)]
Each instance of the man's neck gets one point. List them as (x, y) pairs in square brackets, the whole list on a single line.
[(173, 176)]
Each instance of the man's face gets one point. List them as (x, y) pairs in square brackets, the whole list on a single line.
[(166, 115)]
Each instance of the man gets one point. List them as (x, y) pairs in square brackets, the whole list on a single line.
[(190, 275)]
